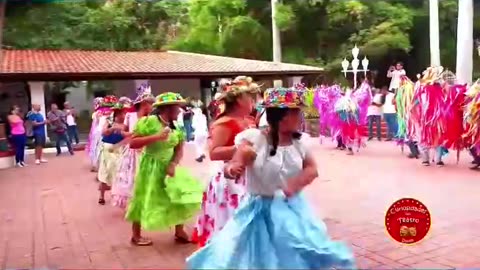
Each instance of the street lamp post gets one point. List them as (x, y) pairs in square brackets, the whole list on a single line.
[(355, 64)]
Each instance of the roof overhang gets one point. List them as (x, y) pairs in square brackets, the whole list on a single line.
[(65, 65)]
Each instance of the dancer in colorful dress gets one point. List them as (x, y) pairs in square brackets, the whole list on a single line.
[(94, 136), (200, 133), (222, 195), (115, 135), (165, 195), (123, 186), (274, 228), (103, 114)]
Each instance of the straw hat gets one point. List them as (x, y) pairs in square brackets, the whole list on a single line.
[(240, 85), (169, 98)]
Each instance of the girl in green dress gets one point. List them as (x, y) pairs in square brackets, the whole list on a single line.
[(164, 194)]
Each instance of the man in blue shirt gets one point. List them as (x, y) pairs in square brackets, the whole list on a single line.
[(38, 130)]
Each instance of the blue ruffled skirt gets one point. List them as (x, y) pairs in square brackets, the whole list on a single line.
[(272, 233)]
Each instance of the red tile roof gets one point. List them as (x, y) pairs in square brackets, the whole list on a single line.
[(58, 64)]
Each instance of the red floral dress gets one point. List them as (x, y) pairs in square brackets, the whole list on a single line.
[(221, 197)]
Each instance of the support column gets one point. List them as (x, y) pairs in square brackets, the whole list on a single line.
[(465, 41), (434, 33), (37, 94)]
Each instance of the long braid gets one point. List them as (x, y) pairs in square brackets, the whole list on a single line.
[(274, 128)]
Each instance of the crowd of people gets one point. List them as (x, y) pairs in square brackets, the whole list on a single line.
[(261, 159), (255, 191), (33, 126), (434, 114)]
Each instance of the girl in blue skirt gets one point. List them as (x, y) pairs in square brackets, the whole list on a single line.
[(273, 228)]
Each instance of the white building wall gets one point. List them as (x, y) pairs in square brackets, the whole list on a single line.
[(186, 87), (78, 98)]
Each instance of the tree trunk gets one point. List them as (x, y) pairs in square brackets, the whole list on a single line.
[(2, 19)]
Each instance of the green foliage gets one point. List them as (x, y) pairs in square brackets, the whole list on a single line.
[(313, 32), (284, 17)]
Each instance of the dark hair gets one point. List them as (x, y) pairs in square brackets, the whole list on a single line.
[(274, 116), (159, 109), (137, 106), (116, 113), (229, 107), (13, 107)]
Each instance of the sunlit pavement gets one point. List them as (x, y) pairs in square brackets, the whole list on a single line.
[(50, 216)]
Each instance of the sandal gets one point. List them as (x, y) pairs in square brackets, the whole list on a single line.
[(141, 242), (182, 239), (101, 201)]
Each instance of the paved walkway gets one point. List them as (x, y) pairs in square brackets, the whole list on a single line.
[(49, 214)]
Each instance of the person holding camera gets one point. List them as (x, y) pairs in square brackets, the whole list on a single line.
[(395, 73)]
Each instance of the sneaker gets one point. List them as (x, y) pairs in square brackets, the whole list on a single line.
[(43, 160), (426, 163), (440, 163), (23, 164), (19, 165), (72, 153), (37, 161)]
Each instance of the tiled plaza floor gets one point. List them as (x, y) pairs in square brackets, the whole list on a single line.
[(49, 214)]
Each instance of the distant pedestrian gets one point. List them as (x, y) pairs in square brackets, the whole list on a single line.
[(374, 116), (200, 133), (18, 135), (71, 116), (395, 73), (38, 122), (58, 125), (390, 113)]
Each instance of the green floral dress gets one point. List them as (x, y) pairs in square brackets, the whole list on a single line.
[(159, 201)]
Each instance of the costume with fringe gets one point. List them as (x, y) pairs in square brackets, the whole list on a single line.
[(344, 115)]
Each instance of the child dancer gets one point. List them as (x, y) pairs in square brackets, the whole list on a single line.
[(200, 132), (274, 229), (164, 195), (122, 188), (222, 196)]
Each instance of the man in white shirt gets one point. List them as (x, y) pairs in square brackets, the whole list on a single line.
[(374, 115), (390, 113), (395, 72), (72, 130)]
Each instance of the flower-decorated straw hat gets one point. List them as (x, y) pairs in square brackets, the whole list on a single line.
[(109, 101), (281, 97), (169, 98), (431, 75), (240, 85), (119, 106), (144, 93)]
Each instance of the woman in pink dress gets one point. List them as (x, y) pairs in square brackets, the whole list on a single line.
[(222, 195), (123, 186)]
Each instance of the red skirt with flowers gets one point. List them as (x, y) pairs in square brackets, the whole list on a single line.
[(220, 199)]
